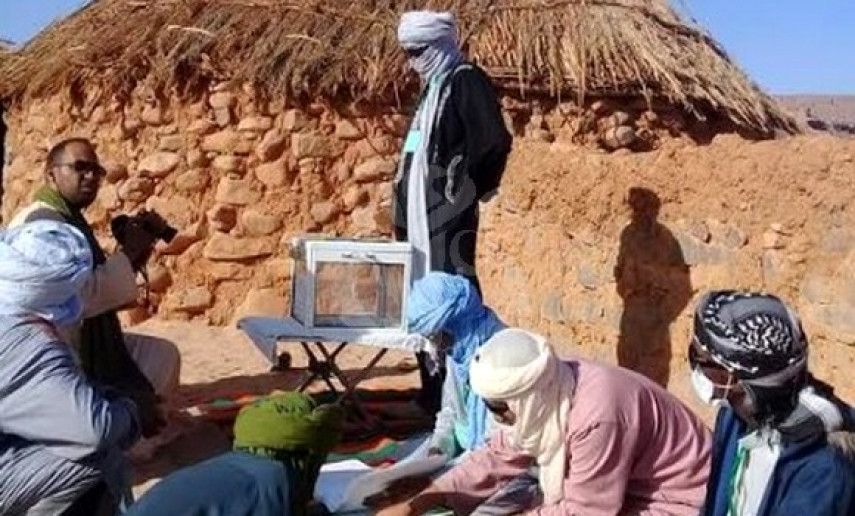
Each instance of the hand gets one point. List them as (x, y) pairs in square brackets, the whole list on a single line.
[(400, 509), (401, 491)]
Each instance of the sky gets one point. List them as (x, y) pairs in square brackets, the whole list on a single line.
[(787, 46)]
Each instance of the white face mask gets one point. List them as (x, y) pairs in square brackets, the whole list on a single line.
[(705, 389)]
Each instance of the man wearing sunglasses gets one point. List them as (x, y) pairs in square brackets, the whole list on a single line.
[(452, 158), (141, 367), (777, 438)]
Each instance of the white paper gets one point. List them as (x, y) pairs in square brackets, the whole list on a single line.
[(343, 486), (266, 332), (333, 483)]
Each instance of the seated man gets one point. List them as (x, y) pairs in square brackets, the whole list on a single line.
[(136, 365), (280, 442), (60, 437), (771, 452), (605, 440), (449, 310)]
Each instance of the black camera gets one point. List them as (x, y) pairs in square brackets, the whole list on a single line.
[(149, 221)]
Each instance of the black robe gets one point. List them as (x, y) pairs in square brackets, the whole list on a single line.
[(467, 151)]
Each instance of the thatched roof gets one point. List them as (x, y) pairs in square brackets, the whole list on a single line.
[(6, 49), (348, 47)]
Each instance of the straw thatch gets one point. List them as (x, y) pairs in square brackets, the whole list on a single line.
[(332, 48), (6, 48)]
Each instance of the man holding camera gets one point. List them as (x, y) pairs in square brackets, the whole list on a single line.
[(143, 368)]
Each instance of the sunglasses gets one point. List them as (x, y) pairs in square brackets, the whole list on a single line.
[(83, 167), (413, 52), (722, 377), (699, 355)]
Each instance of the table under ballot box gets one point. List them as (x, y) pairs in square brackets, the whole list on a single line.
[(344, 292)]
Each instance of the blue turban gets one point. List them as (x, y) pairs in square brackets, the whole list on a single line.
[(442, 302), (43, 267)]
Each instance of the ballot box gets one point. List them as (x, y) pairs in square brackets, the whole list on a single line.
[(349, 285)]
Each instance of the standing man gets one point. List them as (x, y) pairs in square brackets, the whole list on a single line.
[(3, 130), (142, 368), (453, 157)]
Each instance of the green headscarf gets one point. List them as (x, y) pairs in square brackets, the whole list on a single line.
[(291, 428)]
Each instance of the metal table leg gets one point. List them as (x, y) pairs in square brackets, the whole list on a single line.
[(322, 365)]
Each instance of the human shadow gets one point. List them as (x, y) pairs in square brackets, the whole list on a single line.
[(653, 280)]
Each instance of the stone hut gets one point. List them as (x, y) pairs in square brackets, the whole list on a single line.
[(245, 123)]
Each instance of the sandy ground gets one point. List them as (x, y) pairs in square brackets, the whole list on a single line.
[(218, 362)]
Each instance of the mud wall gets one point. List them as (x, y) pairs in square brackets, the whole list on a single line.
[(608, 254)]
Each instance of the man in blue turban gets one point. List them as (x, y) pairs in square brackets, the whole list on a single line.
[(445, 305)]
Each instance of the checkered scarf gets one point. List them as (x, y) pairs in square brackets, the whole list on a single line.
[(756, 336)]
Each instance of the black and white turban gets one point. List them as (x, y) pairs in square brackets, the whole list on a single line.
[(756, 336)]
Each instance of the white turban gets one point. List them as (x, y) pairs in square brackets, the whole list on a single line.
[(420, 28), (521, 369), (438, 32), (43, 266)]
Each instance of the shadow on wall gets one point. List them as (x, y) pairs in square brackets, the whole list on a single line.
[(653, 280)]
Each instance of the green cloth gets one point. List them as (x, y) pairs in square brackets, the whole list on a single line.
[(103, 354), (289, 422), (294, 430)]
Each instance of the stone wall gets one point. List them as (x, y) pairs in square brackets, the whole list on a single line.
[(236, 175), (560, 249)]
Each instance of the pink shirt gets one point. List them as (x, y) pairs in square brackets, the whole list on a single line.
[(633, 448)]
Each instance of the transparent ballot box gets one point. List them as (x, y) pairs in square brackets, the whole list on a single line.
[(350, 285)]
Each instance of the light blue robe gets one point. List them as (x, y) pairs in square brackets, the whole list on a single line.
[(59, 436)]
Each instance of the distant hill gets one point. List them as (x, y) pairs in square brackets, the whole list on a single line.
[(831, 113)]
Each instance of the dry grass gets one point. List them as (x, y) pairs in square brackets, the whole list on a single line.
[(335, 48)]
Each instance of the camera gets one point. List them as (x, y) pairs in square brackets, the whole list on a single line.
[(149, 221)]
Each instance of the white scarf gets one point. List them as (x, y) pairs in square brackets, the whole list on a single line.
[(43, 266), (521, 369)]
